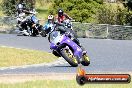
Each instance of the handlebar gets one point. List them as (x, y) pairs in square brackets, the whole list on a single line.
[(33, 12), (30, 12)]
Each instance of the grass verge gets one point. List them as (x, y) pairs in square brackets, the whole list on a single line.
[(61, 84), (17, 57)]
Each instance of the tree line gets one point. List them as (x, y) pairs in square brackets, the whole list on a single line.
[(90, 11)]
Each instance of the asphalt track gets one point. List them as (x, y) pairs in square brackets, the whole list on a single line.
[(106, 55)]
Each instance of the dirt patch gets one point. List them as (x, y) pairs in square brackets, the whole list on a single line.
[(16, 78)]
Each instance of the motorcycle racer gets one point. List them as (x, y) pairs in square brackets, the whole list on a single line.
[(59, 20), (63, 30), (22, 15), (62, 16), (49, 25)]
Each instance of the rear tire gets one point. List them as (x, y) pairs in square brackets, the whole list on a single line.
[(71, 59), (43, 33), (34, 35), (86, 60)]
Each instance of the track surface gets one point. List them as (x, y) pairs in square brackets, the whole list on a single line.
[(105, 55)]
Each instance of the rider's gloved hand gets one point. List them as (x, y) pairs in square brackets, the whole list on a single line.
[(68, 34)]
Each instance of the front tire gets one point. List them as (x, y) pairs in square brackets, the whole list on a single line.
[(55, 53), (71, 59)]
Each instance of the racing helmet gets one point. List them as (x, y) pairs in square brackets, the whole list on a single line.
[(60, 12), (50, 18), (21, 5)]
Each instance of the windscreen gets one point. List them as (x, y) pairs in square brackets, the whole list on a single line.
[(54, 36)]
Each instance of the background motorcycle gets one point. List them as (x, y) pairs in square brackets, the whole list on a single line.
[(68, 23), (63, 46), (46, 29), (30, 25), (35, 27), (22, 25)]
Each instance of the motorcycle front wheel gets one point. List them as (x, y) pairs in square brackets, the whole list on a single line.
[(67, 54)]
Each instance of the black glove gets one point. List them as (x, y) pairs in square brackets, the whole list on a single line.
[(59, 24)]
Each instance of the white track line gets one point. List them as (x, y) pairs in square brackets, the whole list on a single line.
[(15, 48), (55, 63)]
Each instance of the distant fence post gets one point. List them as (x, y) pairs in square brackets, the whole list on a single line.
[(107, 31)]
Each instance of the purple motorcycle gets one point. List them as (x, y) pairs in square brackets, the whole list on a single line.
[(62, 45)]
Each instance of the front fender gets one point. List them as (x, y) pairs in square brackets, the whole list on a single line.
[(53, 46), (77, 50)]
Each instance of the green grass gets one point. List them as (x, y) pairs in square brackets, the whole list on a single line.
[(61, 84), (17, 57), (42, 9), (1, 12)]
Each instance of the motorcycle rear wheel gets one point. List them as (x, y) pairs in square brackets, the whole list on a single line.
[(86, 60), (43, 33)]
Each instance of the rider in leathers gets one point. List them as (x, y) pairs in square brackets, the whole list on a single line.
[(61, 27)]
